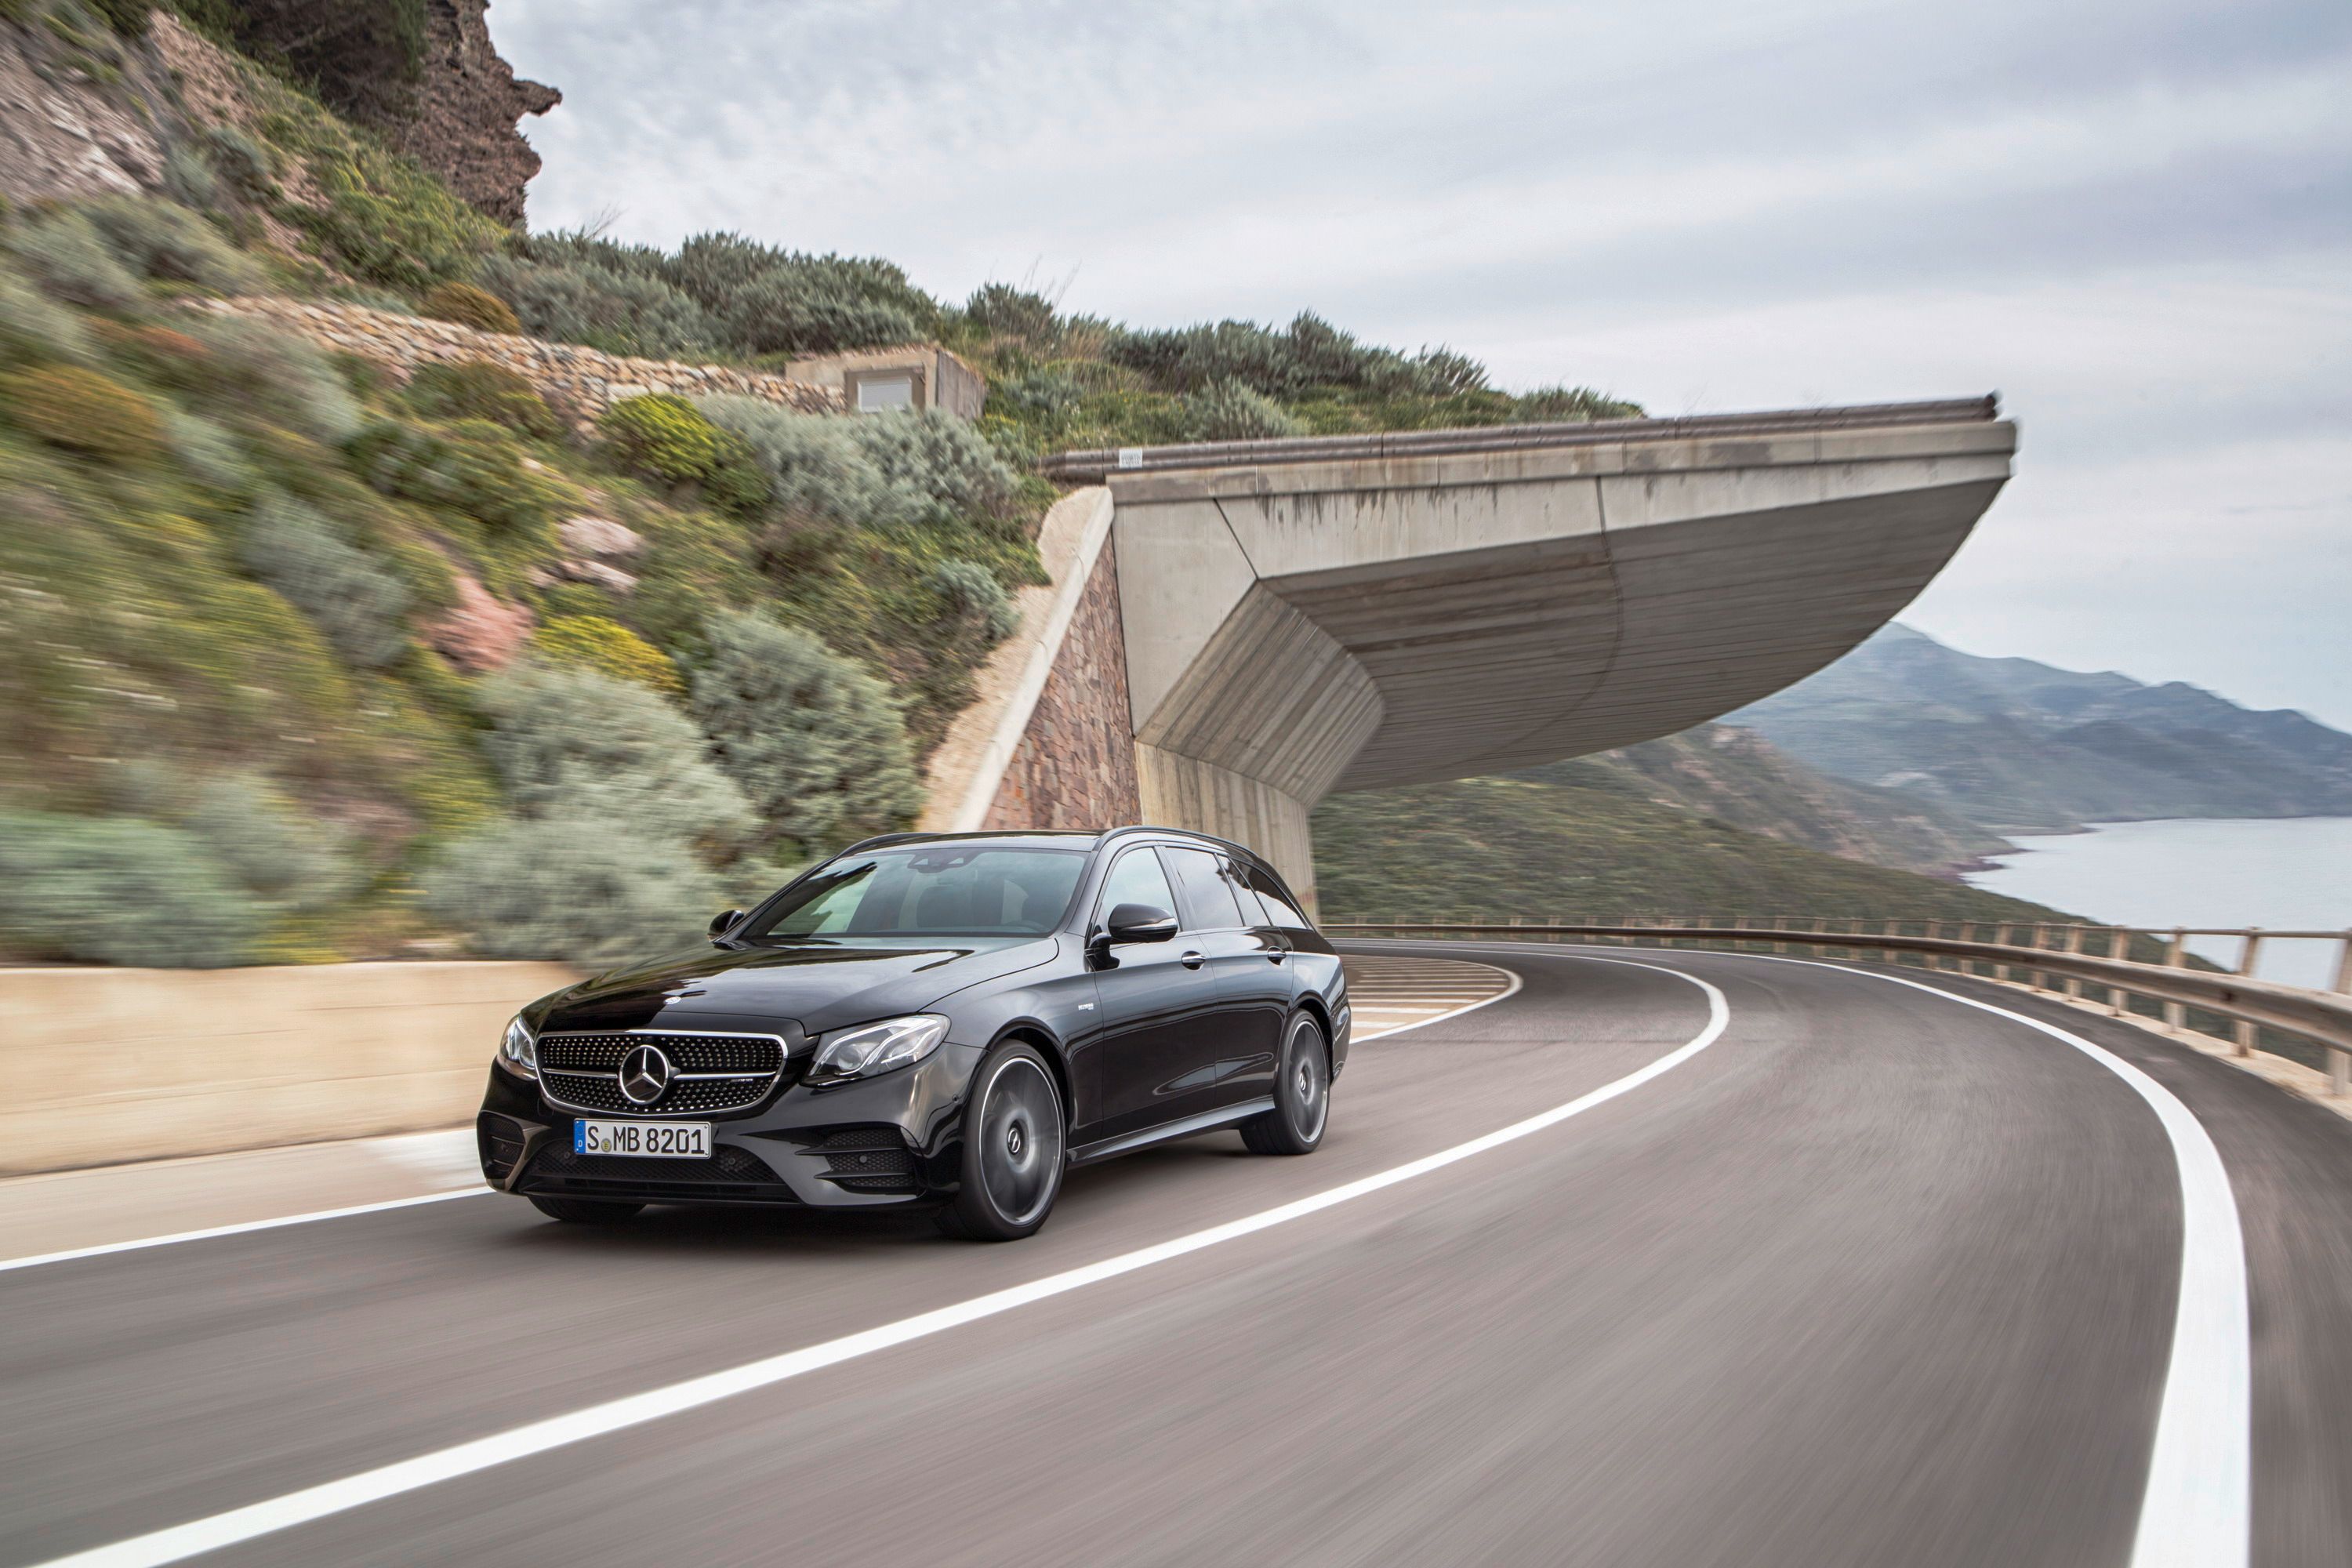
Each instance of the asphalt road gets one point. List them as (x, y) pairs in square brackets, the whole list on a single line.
[(1874, 1278)]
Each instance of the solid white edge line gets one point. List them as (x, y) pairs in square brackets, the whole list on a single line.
[(207, 1234), (2198, 1509), (266, 1518)]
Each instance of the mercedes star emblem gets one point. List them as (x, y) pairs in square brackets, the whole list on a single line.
[(644, 1075)]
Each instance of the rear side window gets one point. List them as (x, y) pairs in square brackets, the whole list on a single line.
[(1281, 909), (1136, 879), (1208, 897)]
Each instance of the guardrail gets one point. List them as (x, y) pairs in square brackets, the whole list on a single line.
[(2085, 958)]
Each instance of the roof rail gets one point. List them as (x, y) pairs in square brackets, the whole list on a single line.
[(1109, 834), (878, 840)]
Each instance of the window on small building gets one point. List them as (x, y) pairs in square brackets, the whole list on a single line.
[(878, 393)]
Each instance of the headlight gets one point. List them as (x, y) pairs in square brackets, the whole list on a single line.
[(870, 1049), (518, 1052)]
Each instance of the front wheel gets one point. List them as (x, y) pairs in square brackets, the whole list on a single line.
[(1302, 1095), (1013, 1149)]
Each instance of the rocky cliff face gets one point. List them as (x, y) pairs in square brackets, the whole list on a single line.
[(460, 121)]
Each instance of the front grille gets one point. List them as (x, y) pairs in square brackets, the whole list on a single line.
[(864, 1159), (581, 1071), (499, 1142), (730, 1175)]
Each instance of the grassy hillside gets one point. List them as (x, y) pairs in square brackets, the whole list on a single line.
[(1592, 847), (1740, 778)]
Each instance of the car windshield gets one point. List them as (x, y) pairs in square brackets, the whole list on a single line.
[(927, 890)]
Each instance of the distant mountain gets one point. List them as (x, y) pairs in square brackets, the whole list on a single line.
[(1737, 777), (2022, 747)]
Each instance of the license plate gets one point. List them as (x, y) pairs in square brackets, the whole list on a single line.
[(645, 1140)]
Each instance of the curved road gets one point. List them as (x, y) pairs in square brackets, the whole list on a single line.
[(1864, 1276)]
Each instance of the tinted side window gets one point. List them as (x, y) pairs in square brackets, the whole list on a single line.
[(1208, 899), (1135, 878), (1281, 909)]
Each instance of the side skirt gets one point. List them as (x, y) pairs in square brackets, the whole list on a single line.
[(1207, 1121)]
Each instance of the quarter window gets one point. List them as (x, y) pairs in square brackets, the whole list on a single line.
[(1208, 896), (1280, 909), (1136, 879)]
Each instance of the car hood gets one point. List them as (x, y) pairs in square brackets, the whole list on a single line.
[(816, 987)]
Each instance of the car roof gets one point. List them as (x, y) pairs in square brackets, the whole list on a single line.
[(1074, 838)]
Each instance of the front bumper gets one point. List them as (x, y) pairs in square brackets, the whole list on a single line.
[(890, 1142)]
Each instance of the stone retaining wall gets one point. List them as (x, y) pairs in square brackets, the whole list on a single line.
[(580, 382), (1076, 764)]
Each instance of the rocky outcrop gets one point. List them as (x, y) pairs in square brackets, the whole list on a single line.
[(81, 119), (460, 122)]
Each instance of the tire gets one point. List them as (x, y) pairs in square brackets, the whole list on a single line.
[(1013, 1149), (1302, 1095), (585, 1211)]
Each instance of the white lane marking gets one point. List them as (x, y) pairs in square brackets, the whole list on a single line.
[(184, 1541), (36, 1260), (2198, 1509)]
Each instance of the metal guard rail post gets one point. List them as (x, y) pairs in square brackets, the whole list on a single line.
[(2322, 1017)]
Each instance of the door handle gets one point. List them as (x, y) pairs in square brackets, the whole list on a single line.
[(1278, 953), (1190, 960)]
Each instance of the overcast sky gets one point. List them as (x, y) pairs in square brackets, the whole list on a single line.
[(2132, 220)]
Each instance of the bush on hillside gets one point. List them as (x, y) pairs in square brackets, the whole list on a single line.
[(818, 745), (1004, 311), (575, 744), (476, 389), (1566, 404), (119, 890), (270, 843), (34, 327), (972, 591), (620, 313), (670, 438), (766, 300), (1229, 411), (239, 161), (470, 466), (205, 451), (71, 406), (814, 465), (191, 180), (934, 455), (278, 375), (608, 648), (585, 890), (469, 307), (356, 604), (71, 259), (162, 239), (385, 219)]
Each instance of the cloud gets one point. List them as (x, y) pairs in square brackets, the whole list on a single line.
[(2135, 220)]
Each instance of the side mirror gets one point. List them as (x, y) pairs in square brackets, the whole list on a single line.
[(1141, 922), (722, 925)]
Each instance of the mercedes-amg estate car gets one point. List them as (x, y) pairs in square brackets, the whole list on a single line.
[(949, 1020)]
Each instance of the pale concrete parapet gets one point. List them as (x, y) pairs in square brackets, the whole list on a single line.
[(113, 1065)]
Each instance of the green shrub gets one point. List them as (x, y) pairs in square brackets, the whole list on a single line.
[(471, 466), (277, 373), (240, 161), (617, 312), (608, 648), (1230, 411), (162, 239), (818, 745), (70, 259), (476, 389), (469, 307), (119, 890), (34, 327), (973, 592), (670, 438), (575, 744), (191, 180), (77, 409), (588, 890), (205, 450), (356, 603), (934, 455), (1565, 405), (1004, 311), (815, 465), (385, 219), (128, 18), (277, 848), (766, 300)]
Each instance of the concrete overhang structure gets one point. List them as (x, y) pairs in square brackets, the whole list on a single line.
[(1352, 613)]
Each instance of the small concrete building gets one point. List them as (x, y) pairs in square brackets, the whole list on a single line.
[(906, 375)]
